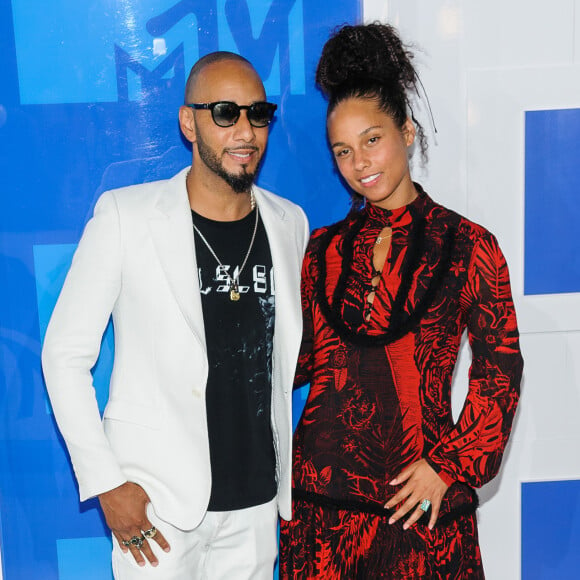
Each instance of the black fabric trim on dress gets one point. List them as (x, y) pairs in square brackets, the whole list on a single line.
[(377, 509), (399, 325)]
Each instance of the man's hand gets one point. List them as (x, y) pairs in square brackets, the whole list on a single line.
[(125, 509), (422, 483)]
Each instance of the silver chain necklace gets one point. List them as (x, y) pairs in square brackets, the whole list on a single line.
[(234, 284)]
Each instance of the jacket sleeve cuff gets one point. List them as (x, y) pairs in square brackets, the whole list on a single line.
[(87, 492)]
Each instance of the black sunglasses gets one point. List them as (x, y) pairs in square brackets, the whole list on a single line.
[(226, 113)]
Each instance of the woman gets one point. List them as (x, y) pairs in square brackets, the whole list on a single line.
[(383, 477)]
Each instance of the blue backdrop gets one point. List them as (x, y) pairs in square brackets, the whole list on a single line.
[(552, 206), (88, 101)]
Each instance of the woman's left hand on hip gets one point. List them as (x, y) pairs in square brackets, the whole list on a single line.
[(423, 489)]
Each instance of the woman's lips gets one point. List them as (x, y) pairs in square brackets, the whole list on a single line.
[(370, 180)]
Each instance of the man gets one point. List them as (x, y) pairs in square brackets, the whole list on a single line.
[(191, 462)]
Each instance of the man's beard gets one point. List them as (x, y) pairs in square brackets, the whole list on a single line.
[(239, 183)]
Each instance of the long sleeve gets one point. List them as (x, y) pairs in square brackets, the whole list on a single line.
[(72, 345), (472, 451), (305, 363)]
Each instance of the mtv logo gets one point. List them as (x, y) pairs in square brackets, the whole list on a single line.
[(106, 51)]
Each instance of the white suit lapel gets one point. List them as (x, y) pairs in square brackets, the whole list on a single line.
[(172, 232)]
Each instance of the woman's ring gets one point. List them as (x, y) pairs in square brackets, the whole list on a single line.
[(425, 505), (150, 533)]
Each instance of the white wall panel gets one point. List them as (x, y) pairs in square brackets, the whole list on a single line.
[(518, 32), (576, 28), (550, 401)]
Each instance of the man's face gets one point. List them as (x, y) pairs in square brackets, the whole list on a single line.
[(230, 153)]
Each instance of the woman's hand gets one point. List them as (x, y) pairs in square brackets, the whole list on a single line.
[(422, 483)]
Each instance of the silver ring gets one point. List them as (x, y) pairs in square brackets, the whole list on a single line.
[(425, 505), (134, 541), (150, 533)]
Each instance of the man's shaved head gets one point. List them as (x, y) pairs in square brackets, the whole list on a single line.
[(205, 61)]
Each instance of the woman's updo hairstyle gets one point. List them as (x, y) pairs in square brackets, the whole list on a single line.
[(370, 61)]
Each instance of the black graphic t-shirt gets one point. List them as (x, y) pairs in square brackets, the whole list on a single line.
[(239, 337)]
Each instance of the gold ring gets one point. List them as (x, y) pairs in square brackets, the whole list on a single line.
[(150, 533)]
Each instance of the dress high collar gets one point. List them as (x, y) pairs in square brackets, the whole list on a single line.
[(400, 216)]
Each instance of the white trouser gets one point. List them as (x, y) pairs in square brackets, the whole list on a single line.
[(235, 545)]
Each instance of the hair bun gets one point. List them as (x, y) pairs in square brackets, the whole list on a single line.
[(373, 52)]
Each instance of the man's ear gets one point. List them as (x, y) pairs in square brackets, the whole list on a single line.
[(187, 123), (409, 132)]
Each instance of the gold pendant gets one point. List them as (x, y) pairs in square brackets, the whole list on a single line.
[(234, 293)]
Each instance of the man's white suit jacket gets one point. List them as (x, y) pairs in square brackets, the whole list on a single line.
[(136, 260)]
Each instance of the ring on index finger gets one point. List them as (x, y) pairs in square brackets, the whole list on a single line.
[(150, 533)]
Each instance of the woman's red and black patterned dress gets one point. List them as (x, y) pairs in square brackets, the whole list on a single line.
[(380, 393)]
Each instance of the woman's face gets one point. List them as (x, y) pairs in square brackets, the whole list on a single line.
[(371, 152)]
